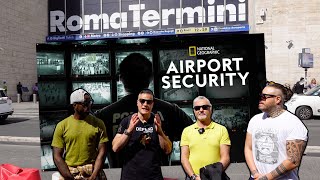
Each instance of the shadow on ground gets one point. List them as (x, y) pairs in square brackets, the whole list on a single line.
[(13, 120)]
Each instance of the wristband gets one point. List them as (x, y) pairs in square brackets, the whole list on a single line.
[(193, 177), (127, 133)]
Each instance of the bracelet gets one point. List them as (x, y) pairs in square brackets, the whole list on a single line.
[(193, 177), (127, 133)]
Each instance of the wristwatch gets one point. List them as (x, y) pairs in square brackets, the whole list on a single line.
[(193, 177), (127, 133)]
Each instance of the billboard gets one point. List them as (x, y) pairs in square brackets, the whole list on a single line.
[(228, 69), (98, 17)]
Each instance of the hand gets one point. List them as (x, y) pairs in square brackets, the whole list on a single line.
[(260, 176), (157, 122), (133, 122), (198, 178), (91, 178), (257, 175)]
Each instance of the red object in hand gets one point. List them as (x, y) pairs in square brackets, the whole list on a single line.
[(12, 172)]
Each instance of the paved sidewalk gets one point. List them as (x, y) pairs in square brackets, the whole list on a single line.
[(237, 171)]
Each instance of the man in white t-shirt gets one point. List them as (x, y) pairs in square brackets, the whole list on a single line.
[(276, 139)]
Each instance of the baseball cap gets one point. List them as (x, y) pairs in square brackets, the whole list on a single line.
[(78, 96)]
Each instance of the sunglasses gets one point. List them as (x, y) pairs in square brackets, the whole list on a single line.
[(149, 101), (204, 107), (266, 96), (85, 103)]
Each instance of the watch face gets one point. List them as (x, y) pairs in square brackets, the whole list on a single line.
[(193, 177)]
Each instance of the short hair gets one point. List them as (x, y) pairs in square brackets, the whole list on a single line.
[(147, 91), (286, 92), (135, 72), (201, 97)]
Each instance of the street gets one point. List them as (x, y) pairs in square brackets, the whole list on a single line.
[(314, 133), (25, 123), (20, 155)]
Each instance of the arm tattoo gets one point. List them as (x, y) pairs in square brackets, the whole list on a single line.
[(263, 178), (279, 171), (295, 150)]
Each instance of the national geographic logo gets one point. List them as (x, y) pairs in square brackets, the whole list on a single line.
[(194, 50)]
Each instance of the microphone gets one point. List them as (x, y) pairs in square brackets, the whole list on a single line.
[(201, 130)]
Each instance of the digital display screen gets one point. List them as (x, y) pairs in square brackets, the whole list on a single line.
[(121, 91), (173, 56), (90, 64), (225, 92), (50, 63), (179, 94), (232, 116), (120, 55), (100, 91), (52, 94)]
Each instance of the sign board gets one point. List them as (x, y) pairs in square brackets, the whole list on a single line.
[(228, 69), (118, 16), (305, 60)]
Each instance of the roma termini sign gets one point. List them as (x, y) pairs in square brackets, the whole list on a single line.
[(105, 16)]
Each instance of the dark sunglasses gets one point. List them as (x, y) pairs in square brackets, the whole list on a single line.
[(204, 107), (266, 96), (86, 103), (142, 101)]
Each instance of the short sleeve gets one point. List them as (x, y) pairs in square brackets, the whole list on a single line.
[(123, 124), (225, 137), (250, 125), (57, 140), (184, 138), (299, 131), (103, 132)]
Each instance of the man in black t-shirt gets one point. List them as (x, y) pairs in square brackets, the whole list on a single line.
[(136, 74), (142, 138), (299, 86)]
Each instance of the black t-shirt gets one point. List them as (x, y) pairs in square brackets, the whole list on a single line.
[(299, 88), (174, 120), (141, 154)]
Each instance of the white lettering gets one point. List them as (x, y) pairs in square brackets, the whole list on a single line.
[(210, 13)]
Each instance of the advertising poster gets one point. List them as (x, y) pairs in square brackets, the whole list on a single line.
[(227, 69)]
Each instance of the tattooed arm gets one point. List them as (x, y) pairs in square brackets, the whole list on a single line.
[(295, 149)]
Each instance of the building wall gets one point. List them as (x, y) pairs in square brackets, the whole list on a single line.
[(288, 21), (23, 24)]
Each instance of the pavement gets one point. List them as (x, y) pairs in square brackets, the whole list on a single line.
[(309, 168)]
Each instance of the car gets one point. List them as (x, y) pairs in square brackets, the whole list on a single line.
[(6, 108), (306, 105)]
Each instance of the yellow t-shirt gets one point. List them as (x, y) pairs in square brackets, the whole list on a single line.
[(204, 148), (80, 139)]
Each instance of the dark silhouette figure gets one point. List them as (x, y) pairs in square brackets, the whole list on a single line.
[(136, 74), (19, 90)]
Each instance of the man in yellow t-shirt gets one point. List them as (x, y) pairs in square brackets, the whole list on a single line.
[(205, 142), (82, 138)]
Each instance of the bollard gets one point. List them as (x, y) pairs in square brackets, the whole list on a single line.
[(34, 98), (18, 98)]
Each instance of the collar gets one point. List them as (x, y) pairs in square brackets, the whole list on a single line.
[(210, 126)]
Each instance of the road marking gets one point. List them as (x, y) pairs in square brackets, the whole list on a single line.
[(312, 149), (19, 139)]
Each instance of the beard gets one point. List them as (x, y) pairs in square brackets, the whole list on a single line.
[(202, 117)]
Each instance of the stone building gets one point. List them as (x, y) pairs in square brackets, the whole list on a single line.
[(288, 26)]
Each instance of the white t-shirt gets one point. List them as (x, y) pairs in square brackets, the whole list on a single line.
[(269, 136)]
